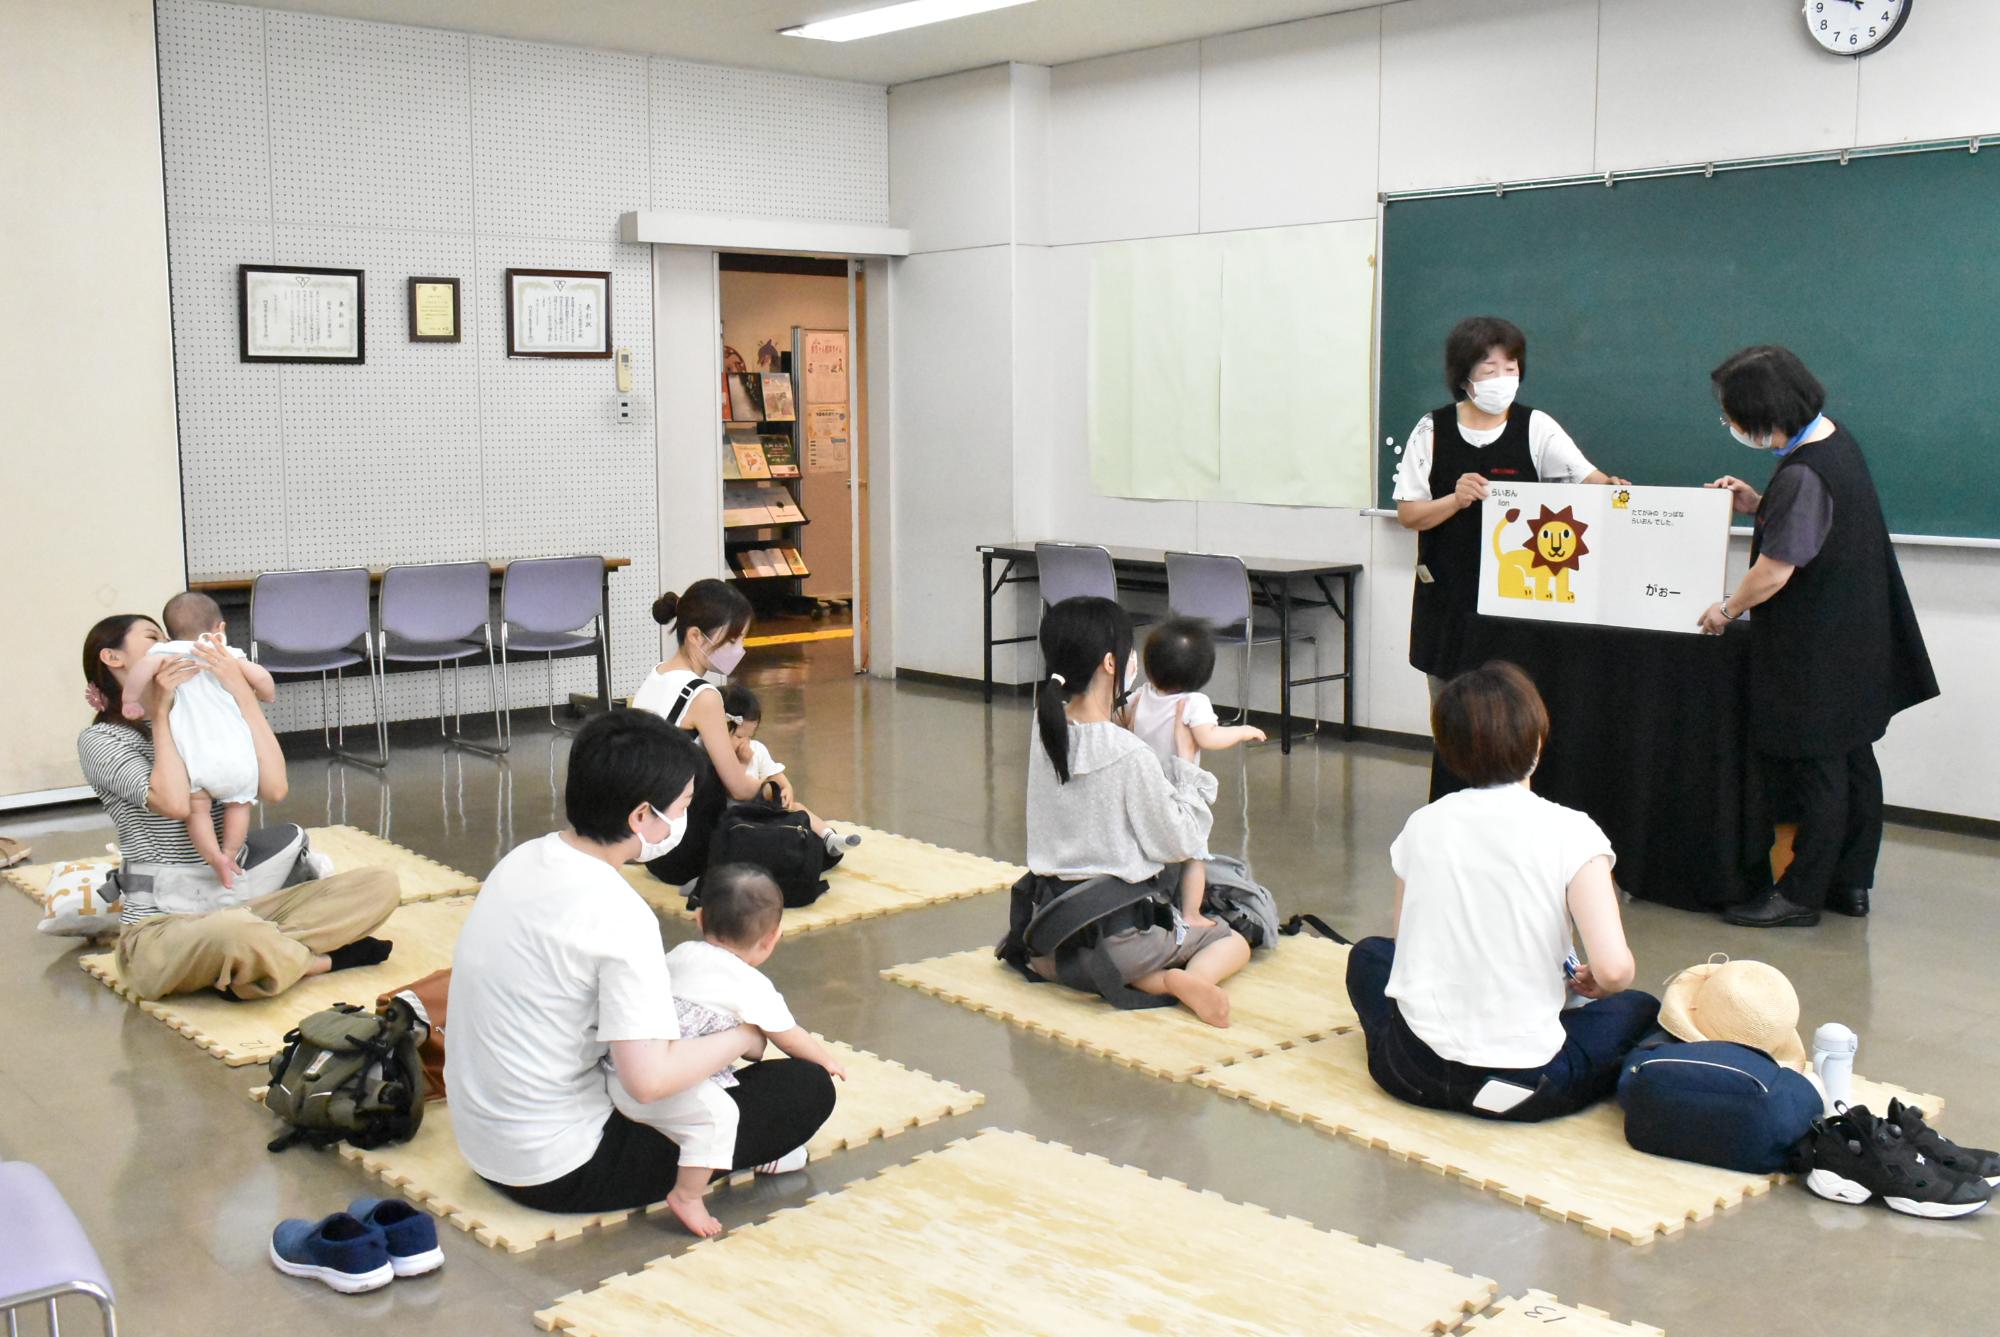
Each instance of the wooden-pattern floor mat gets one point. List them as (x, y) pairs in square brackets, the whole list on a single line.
[(1002, 1233), (884, 875), (421, 878), (1577, 1169), (1533, 1312), (239, 1033), (879, 1099), (1294, 993)]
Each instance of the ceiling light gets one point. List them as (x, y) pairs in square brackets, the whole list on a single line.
[(893, 18)]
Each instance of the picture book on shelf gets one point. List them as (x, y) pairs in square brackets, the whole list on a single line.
[(746, 397), (798, 563), (780, 454), (750, 460), (778, 397)]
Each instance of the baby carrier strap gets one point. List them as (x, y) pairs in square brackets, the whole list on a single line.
[(1071, 926)]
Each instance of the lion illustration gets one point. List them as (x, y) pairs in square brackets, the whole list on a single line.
[(1551, 551)]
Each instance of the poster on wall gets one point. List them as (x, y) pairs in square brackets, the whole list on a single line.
[(298, 313), (558, 313), (826, 366), (1647, 557), (827, 450)]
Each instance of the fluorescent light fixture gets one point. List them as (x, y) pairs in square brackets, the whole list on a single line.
[(893, 18)]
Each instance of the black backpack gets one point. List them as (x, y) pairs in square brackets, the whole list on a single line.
[(765, 835), (350, 1075), (1068, 922)]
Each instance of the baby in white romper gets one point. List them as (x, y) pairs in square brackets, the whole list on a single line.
[(1180, 659), (717, 986), (209, 730)]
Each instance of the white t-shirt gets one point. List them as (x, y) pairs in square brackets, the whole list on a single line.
[(1557, 458), (708, 978), (762, 766), (1486, 925), (558, 958), (661, 691), (1153, 716)]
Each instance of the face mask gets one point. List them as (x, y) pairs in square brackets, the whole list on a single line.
[(650, 850), (1743, 439), (1495, 394), (724, 658)]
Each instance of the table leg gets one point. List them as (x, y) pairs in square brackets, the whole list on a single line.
[(986, 591), (1285, 667), (1347, 661), (604, 645)]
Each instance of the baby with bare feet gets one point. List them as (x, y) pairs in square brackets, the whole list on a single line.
[(717, 986)]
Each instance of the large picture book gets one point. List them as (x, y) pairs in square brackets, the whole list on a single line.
[(746, 397), (749, 455), (780, 454), (778, 406)]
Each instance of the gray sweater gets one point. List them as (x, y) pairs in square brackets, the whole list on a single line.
[(1124, 812)]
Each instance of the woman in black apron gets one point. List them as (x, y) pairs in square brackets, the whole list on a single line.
[(1835, 649), (1447, 462)]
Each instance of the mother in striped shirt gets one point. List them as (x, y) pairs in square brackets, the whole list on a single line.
[(254, 949)]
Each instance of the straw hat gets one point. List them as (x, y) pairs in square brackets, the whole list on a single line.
[(1746, 1002)]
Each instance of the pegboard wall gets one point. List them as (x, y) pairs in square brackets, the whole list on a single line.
[(298, 139)]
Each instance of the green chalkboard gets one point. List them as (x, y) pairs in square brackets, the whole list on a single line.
[(1884, 275)]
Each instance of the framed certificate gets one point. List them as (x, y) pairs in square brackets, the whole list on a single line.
[(299, 313), (434, 311), (558, 313)]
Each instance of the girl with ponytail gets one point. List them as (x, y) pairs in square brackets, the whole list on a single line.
[(1102, 805)]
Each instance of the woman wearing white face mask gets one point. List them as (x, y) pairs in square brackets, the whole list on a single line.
[(1835, 649), (1448, 459)]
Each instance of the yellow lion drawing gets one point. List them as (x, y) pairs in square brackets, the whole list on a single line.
[(1551, 551)]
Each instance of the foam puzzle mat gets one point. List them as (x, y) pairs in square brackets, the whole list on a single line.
[(422, 879), (1001, 1233), (1294, 993), (1534, 1312), (240, 1033), (1577, 1169), (880, 1099)]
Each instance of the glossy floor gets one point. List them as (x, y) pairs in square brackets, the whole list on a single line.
[(156, 1147)]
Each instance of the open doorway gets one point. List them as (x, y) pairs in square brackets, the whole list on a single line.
[(794, 460)]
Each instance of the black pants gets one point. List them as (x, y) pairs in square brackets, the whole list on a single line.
[(1837, 803), (1585, 1070), (781, 1104)]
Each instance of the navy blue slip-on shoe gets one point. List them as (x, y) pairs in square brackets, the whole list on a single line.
[(340, 1251), (411, 1235)]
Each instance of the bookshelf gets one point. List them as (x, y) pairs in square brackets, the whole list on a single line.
[(762, 522)]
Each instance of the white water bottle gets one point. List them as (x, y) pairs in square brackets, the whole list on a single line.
[(1833, 1062)]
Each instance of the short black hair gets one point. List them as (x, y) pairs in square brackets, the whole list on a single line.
[(618, 761), (1180, 655), (1489, 724), (1767, 389), (189, 614), (741, 702), (1471, 340), (739, 904)]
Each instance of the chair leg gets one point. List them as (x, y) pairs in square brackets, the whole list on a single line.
[(506, 692), (381, 760), (440, 687), (456, 738), (553, 722)]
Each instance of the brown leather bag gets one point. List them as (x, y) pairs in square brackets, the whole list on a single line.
[(431, 993)]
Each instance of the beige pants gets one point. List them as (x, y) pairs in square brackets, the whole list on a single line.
[(259, 948)]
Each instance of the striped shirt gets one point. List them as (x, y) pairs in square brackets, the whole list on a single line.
[(118, 764)]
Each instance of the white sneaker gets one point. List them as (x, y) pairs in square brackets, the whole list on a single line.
[(320, 864), (789, 1163)]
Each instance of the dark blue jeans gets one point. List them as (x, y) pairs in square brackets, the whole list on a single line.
[(1583, 1072)]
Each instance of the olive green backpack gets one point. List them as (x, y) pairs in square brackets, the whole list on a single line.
[(346, 1075)]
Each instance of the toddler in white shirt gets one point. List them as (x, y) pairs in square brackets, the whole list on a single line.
[(1180, 659), (745, 713), (717, 986)]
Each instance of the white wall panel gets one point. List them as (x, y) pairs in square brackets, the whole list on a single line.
[(1124, 146), (371, 124), (1939, 756), (1500, 90), (743, 142), (1031, 154), (561, 148), (953, 480), (1290, 123), (215, 129), (950, 159), (1936, 80), (1716, 79)]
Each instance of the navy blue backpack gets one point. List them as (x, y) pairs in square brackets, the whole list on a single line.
[(1716, 1103)]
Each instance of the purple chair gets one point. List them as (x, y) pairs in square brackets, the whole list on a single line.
[(441, 615), (44, 1254), (548, 606), (311, 622), (1071, 570), (1216, 589)]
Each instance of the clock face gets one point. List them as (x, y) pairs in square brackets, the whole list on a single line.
[(1855, 27)]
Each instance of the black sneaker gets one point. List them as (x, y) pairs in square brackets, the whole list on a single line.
[(1855, 1156), (1968, 1161)]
